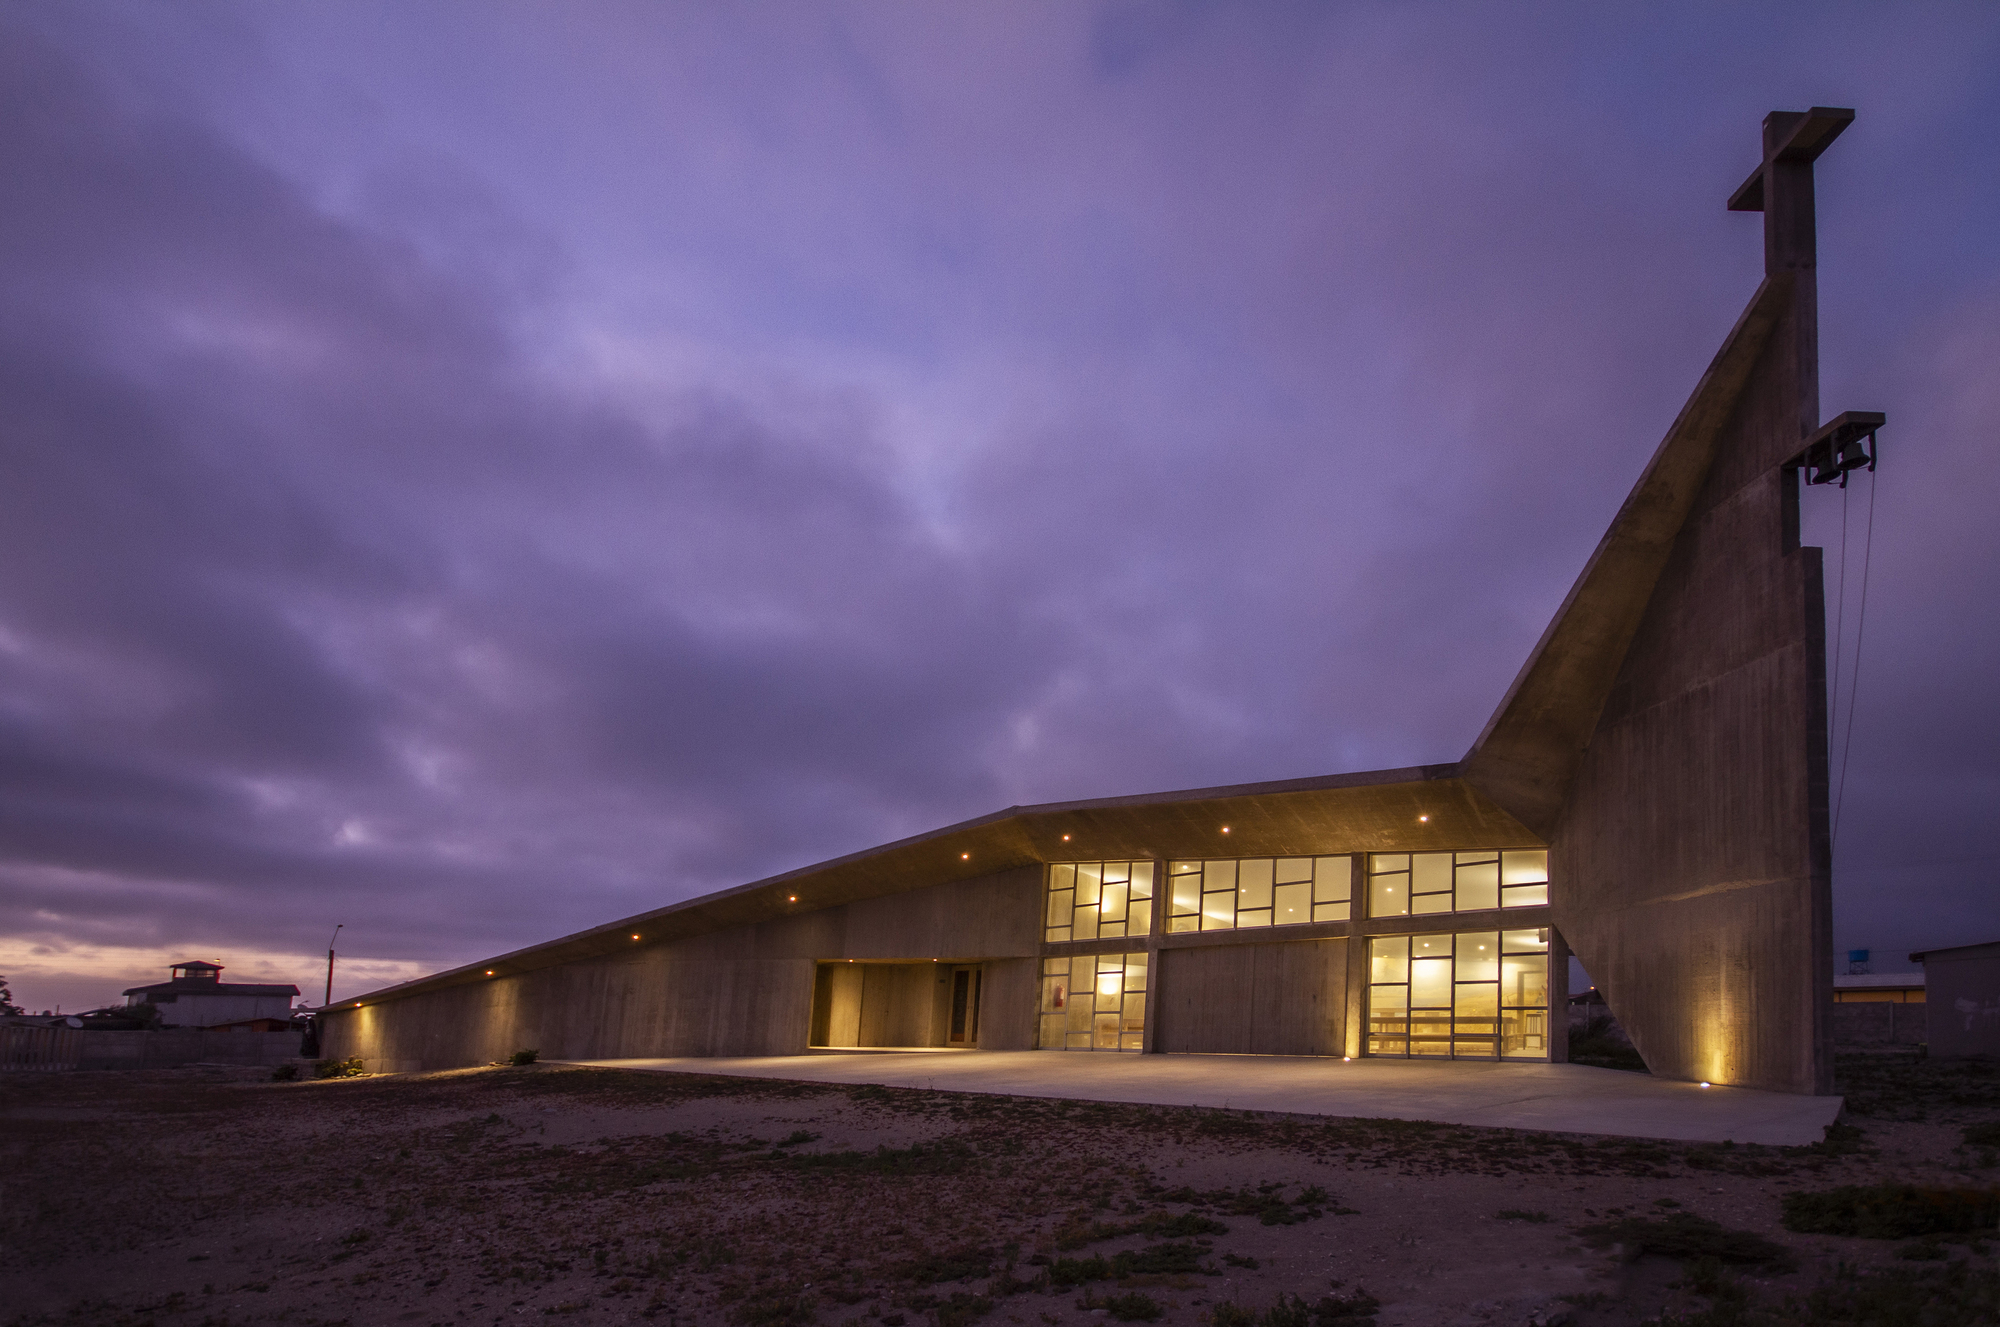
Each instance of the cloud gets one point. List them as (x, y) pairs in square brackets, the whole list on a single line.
[(472, 480)]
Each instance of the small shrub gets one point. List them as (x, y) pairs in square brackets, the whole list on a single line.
[(958, 1265), (1891, 1211), (1522, 1214), (351, 1067), (1922, 1250), (1229, 1314), (1983, 1135), (1352, 1310), (1685, 1236), (524, 1057), (1289, 1311), (284, 1073), (1131, 1308), (961, 1310)]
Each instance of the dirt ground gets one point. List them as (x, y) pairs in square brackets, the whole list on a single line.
[(218, 1198)]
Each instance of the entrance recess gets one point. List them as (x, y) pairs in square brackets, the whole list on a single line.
[(918, 1004)]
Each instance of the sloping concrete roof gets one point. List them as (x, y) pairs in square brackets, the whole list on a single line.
[(1374, 811), (1529, 753)]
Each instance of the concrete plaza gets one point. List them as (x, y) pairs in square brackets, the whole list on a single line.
[(1563, 1098)]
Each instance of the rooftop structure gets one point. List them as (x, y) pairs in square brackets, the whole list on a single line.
[(195, 995)]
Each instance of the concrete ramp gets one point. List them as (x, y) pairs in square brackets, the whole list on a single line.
[(1560, 1098)]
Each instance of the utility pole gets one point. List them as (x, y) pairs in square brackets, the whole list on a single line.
[(329, 964)]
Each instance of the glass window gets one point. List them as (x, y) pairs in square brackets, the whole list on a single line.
[(1253, 883), (1230, 893), (1096, 900), (1467, 994), (1292, 904), (1093, 1002), (1389, 894), (1478, 886), (1424, 883)]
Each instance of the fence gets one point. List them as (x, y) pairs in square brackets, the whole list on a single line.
[(36, 1046), (1880, 1023)]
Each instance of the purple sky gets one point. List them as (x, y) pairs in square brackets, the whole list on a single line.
[(477, 471)]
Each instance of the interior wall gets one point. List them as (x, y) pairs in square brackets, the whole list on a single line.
[(1278, 998)]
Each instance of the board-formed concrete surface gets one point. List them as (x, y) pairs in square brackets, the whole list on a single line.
[(1562, 1098)]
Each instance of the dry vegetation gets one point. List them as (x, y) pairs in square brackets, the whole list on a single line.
[(199, 1198)]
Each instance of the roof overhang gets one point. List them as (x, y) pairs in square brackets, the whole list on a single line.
[(1424, 807)]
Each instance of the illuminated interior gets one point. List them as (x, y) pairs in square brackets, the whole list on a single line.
[(1099, 900), (1402, 884), (1093, 1002), (1235, 893), (1460, 995)]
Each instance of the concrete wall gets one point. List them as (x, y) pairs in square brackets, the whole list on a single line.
[(1279, 998), (172, 1047), (1692, 865), (1881, 1023), (1964, 999), (746, 990)]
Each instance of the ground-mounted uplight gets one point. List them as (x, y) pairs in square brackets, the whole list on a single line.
[(1704, 1085), (635, 937), (1225, 829), (489, 972), (1423, 820), (792, 898), (1065, 838), (965, 857)]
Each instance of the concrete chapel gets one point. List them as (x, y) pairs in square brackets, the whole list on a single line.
[(1650, 795)]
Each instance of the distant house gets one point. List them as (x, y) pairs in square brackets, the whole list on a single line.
[(1879, 988), (1965, 1008), (195, 996)]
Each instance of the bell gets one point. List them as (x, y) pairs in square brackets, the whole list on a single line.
[(1852, 456)]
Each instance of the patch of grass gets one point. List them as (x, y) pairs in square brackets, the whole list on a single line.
[(1600, 1043), (1909, 1086), (942, 1158), (1891, 1211), (1166, 1225), (776, 1306), (522, 1057), (1153, 1260), (1685, 1236), (957, 1265), (960, 1310), (1131, 1307)]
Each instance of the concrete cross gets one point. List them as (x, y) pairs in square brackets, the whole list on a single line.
[(1782, 187)]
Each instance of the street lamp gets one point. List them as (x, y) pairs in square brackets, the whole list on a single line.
[(328, 1002)]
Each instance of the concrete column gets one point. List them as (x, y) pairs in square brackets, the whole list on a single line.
[(1558, 998), (1354, 1017), (1149, 1040)]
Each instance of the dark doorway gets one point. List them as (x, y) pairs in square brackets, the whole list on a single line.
[(964, 1007)]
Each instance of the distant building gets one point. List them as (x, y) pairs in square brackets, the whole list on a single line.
[(1879, 988), (1965, 1000), (195, 996)]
